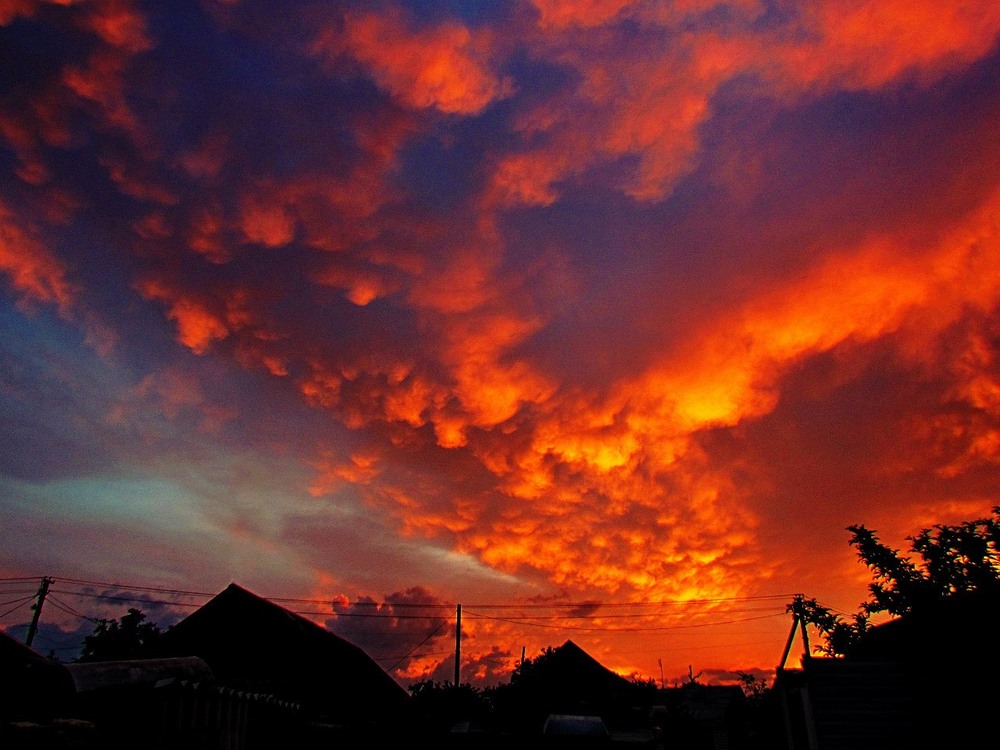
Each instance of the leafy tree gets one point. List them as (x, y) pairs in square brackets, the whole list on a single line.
[(755, 688), (116, 640), (838, 633), (528, 667), (954, 561)]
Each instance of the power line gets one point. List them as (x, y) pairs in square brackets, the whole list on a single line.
[(130, 599), (335, 611), (429, 636), (129, 587), (21, 600), (21, 603), (431, 605), (647, 615), (528, 623), (535, 621), (72, 611)]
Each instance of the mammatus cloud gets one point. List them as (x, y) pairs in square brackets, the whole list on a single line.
[(570, 292), (447, 66)]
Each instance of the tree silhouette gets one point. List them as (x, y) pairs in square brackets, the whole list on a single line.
[(438, 705), (954, 562), (116, 640)]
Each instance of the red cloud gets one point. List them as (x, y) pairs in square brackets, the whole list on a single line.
[(658, 121), (117, 23), (867, 45), (37, 274), (201, 318), (446, 67)]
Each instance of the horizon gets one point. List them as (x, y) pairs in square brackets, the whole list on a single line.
[(166, 608)]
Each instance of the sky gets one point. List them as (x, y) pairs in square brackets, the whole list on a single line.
[(602, 319)]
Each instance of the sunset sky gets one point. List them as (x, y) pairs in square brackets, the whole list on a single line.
[(603, 319)]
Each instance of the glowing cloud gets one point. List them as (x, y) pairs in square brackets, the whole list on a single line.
[(447, 67)]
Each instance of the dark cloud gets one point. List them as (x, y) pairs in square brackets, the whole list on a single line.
[(403, 629)]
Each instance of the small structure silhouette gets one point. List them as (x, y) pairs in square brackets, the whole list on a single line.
[(924, 679)]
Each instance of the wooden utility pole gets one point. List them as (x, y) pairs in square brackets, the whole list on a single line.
[(458, 644), (798, 621), (43, 591)]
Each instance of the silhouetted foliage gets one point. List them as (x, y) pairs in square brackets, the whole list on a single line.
[(648, 683), (438, 705), (117, 640), (529, 667), (954, 561), (754, 688)]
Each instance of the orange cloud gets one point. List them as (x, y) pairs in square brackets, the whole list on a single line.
[(528, 178), (266, 222), (200, 320), (824, 46), (332, 471), (594, 13), (362, 286), (588, 13), (614, 493), (324, 211), (446, 67), (854, 296), (507, 461), (867, 45)]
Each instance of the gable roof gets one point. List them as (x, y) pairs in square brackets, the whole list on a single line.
[(569, 670), (253, 644)]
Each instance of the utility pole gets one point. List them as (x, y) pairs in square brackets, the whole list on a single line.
[(798, 621), (458, 644), (43, 591)]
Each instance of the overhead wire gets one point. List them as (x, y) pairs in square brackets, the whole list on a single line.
[(429, 636), (529, 623), (20, 604), (392, 606), (434, 604), (77, 587), (71, 610)]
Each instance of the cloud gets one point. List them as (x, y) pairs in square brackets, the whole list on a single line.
[(407, 625), (609, 300), (447, 66), (37, 275)]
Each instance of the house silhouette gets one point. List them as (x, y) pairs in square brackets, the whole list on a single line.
[(256, 646), (32, 686)]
